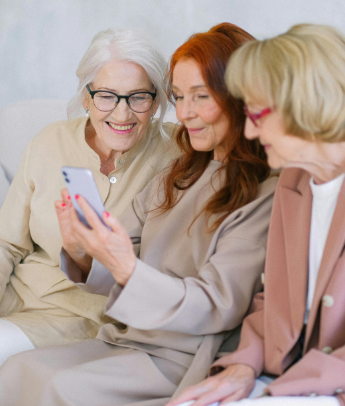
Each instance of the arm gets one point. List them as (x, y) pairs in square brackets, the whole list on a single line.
[(15, 238), (316, 372), (222, 292), (94, 277)]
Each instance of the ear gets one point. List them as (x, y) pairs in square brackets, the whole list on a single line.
[(86, 102), (155, 106)]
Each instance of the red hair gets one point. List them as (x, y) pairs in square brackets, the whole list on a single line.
[(246, 162)]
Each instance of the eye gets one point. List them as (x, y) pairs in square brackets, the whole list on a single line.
[(140, 97), (176, 97), (107, 97), (202, 96)]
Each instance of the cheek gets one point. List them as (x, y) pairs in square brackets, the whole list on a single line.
[(210, 115), (178, 112), (143, 119)]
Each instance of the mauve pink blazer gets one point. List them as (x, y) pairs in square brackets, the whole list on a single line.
[(269, 338)]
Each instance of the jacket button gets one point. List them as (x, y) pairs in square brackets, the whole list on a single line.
[(327, 350), (328, 301), (122, 161), (113, 179)]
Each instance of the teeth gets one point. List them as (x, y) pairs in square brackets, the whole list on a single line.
[(121, 127)]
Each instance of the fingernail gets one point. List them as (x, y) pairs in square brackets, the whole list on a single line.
[(63, 205), (106, 214), (77, 197), (69, 197)]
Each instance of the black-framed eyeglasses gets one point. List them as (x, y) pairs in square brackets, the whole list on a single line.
[(139, 102)]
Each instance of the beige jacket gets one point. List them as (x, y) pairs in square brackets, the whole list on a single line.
[(34, 292), (187, 288), (269, 341)]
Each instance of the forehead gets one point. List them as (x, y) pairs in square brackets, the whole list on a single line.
[(121, 75), (187, 74)]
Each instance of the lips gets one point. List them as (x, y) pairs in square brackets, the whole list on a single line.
[(194, 130), (121, 127)]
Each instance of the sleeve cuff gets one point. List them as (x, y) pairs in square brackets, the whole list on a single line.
[(99, 281)]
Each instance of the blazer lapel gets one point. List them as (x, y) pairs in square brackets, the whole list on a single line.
[(332, 251), (296, 235)]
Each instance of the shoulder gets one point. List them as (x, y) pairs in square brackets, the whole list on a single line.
[(251, 220), (56, 132), (162, 150), (293, 178)]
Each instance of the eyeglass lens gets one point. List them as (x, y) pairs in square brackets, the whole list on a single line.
[(138, 102)]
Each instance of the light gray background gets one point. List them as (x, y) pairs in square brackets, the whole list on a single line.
[(42, 41)]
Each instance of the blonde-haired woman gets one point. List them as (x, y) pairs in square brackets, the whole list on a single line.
[(294, 89)]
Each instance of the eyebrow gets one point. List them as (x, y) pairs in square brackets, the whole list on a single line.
[(192, 87), (129, 92)]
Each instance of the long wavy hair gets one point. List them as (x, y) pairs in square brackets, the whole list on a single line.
[(245, 164)]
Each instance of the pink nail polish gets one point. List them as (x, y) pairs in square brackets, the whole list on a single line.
[(63, 205), (77, 197), (69, 197), (106, 214)]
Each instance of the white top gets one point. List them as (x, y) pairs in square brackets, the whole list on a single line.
[(325, 198)]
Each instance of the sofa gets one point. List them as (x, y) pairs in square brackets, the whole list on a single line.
[(19, 123)]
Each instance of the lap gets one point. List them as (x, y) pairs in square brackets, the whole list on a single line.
[(91, 372)]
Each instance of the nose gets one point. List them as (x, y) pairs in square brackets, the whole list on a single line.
[(122, 111), (250, 130), (185, 110)]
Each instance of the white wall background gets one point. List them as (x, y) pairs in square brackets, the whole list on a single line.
[(42, 41)]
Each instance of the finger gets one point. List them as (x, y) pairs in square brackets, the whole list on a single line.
[(211, 397), (114, 224), (90, 214), (65, 196), (60, 206), (192, 393), (77, 226), (238, 395)]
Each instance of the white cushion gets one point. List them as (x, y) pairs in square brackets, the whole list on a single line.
[(19, 123), (4, 185)]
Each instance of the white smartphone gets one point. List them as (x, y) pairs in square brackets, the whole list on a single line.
[(81, 181)]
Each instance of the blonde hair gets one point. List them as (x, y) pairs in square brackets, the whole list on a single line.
[(301, 74)]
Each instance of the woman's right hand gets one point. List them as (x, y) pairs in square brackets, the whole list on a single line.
[(234, 383), (70, 244)]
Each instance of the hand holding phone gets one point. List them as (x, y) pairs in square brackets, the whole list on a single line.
[(80, 181)]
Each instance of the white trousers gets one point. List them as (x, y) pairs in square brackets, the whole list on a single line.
[(255, 400), (12, 340)]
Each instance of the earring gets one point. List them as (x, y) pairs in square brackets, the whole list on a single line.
[(152, 118), (87, 112)]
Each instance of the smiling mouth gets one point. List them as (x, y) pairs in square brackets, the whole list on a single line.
[(121, 127), (194, 130)]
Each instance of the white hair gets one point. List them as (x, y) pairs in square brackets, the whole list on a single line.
[(123, 45)]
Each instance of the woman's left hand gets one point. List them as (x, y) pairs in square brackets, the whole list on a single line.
[(112, 248)]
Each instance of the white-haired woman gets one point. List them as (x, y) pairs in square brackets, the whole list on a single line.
[(294, 89), (120, 87)]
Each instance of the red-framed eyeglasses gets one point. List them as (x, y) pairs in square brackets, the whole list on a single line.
[(256, 116)]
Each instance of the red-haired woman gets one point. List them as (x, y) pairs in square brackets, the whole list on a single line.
[(187, 256)]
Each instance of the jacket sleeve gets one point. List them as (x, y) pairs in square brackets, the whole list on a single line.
[(214, 301), (315, 373), (15, 238)]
